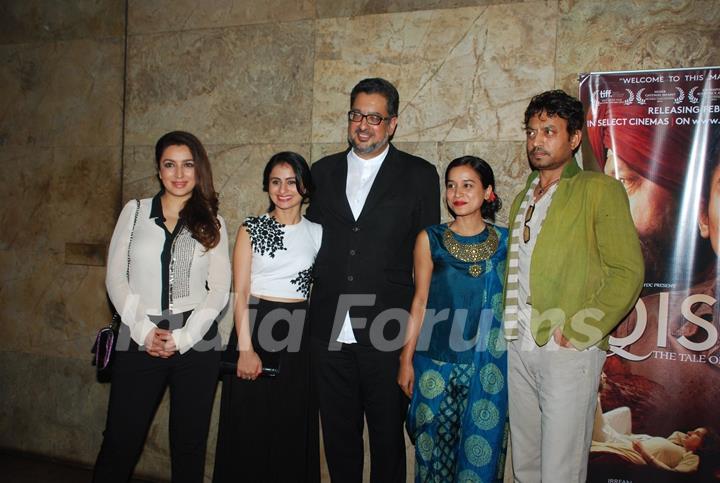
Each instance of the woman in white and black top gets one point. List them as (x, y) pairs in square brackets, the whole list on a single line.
[(268, 430), (168, 276)]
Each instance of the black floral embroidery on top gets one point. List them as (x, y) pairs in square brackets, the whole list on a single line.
[(266, 234), (303, 281)]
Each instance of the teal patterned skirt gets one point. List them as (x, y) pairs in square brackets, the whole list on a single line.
[(458, 420)]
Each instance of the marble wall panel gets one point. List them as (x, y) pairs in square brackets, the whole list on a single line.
[(241, 85), (320, 150), (67, 421), (58, 195), (26, 180), (50, 307), (42, 20), (643, 34), (148, 16), (55, 407), (61, 93), (139, 173), (463, 75), (52, 197), (333, 8)]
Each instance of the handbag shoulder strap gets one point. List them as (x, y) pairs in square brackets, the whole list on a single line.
[(132, 232)]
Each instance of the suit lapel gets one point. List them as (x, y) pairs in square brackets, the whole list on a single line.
[(340, 171), (386, 177)]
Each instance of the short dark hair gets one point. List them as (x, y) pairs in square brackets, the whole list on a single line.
[(299, 166), (557, 103), (487, 177), (376, 85)]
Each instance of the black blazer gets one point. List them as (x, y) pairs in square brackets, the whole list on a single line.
[(373, 255)]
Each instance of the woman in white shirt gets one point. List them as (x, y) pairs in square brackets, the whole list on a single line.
[(168, 276), (268, 430)]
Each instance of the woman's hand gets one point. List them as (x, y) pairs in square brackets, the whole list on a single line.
[(638, 446), (169, 346), (406, 377), (160, 343), (422, 271), (249, 365)]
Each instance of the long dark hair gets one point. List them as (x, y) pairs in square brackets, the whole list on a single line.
[(301, 169), (200, 212), (485, 172)]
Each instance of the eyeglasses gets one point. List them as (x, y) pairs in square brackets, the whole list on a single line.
[(526, 228), (372, 119)]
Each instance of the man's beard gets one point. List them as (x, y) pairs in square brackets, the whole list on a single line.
[(546, 163), (370, 147)]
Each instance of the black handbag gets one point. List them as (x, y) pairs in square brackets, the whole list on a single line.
[(106, 339), (104, 348), (229, 357)]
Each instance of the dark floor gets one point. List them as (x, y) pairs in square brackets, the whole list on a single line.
[(23, 468)]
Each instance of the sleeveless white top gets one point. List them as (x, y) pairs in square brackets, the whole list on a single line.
[(283, 256)]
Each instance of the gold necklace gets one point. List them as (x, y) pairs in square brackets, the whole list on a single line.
[(471, 252)]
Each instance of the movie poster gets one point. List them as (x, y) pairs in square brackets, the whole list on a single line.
[(658, 133)]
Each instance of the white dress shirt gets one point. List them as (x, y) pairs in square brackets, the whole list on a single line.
[(361, 175)]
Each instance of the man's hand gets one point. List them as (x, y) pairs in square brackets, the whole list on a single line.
[(561, 340)]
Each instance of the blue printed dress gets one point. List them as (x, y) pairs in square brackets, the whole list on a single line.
[(458, 413)]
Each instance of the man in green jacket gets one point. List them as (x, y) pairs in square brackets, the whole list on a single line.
[(575, 269)]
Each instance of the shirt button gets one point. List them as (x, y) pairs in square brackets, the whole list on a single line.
[(350, 278), (352, 252)]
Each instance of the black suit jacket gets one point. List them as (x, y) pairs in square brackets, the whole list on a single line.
[(373, 255)]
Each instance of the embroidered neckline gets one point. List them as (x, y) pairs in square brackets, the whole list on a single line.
[(471, 252)]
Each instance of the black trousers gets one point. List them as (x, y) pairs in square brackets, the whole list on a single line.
[(138, 384), (353, 382)]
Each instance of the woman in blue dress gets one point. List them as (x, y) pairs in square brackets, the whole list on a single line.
[(454, 365)]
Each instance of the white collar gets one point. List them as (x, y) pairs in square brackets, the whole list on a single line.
[(376, 161)]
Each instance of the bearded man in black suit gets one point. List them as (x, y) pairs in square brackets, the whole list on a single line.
[(372, 201)]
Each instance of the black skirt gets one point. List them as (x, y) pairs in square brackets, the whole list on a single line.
[(268, 429)]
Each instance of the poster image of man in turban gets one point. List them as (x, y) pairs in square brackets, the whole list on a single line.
[(651, 160), (661, 139)]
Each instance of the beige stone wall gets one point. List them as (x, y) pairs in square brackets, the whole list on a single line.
[(61, 95), (249, 78)]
